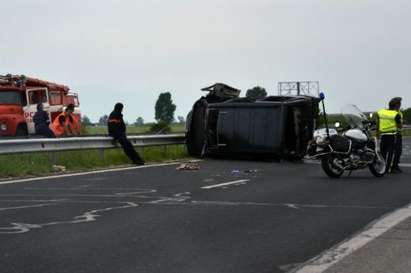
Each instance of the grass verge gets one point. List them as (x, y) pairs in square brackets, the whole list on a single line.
[(37, 164)]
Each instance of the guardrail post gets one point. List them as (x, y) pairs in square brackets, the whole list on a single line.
[(53, 158), (101, 154)]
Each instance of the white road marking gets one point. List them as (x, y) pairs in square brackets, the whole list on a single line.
[(81, 188), (283, 205), (243, 181), (291, 206), (336, 254), (85, 173), (26, 207)]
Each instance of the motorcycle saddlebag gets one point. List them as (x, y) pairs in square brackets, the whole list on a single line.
[(340, 144)]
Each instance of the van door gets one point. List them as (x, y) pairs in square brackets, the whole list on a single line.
[(34, 97)]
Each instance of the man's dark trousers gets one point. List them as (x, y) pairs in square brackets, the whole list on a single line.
[(127, 147), (391, 149), (397, 151)]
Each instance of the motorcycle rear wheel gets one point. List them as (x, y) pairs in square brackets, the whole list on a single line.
[(330, 169)]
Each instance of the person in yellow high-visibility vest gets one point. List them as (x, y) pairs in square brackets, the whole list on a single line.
[(389, 127)]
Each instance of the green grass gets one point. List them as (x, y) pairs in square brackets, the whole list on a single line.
[(132, 129), (407, 133), (37, 164)]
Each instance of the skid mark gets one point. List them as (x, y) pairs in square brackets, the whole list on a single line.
[(123, 199), (176, 198), (88, 216)]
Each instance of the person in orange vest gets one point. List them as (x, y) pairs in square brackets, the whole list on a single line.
[(59, 127), (72, 123), (117, 130)]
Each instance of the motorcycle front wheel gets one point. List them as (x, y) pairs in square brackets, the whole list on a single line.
[(330, 168), (378, 167)]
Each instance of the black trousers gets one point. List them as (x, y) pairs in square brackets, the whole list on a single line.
[(45, 131), (391, 150), (127, 147)]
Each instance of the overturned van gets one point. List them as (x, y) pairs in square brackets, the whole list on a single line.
[(222, 123)]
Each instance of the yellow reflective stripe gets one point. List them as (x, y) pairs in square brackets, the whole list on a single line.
[(388, 133)]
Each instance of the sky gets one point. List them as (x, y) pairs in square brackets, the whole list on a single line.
[(132, 50)]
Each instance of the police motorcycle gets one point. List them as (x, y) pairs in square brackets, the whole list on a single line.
[(348, 149)]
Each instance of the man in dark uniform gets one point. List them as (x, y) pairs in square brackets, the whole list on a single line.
[(389, 128), (117, 130), (41, 121)]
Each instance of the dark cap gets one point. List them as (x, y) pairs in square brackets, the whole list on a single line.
[(394, 102), (118, 107)]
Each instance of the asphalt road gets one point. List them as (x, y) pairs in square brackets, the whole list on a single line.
[(406, 157), (159, 220)]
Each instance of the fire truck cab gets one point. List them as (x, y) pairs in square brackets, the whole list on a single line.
[(19, 96)]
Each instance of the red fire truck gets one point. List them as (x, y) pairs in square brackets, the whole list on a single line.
[(19, 96)]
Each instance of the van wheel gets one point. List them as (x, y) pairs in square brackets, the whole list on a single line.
[(21, 131)]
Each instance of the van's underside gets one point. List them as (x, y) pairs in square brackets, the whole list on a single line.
[(277, 126)]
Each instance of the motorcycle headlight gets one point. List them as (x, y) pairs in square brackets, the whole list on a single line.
[(3, 127)]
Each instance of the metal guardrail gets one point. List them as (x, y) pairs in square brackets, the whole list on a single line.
[(16, 146)]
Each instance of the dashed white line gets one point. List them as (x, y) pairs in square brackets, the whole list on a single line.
[(243, 181)]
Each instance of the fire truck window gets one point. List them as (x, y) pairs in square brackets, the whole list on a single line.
[(55, 98), (10, 97), (36, 97), (76, 102)]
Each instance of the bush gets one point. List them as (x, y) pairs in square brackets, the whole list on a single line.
[(160, 127), (407, 116)]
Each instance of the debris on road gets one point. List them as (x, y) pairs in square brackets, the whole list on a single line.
[(237, 172), (190, 166), (59, 168)]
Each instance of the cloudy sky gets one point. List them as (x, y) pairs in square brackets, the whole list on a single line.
[(131, 50)]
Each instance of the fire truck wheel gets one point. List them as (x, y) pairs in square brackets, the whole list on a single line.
[(21, 131)]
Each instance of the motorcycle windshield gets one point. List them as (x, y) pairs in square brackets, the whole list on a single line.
[(354, 117)]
